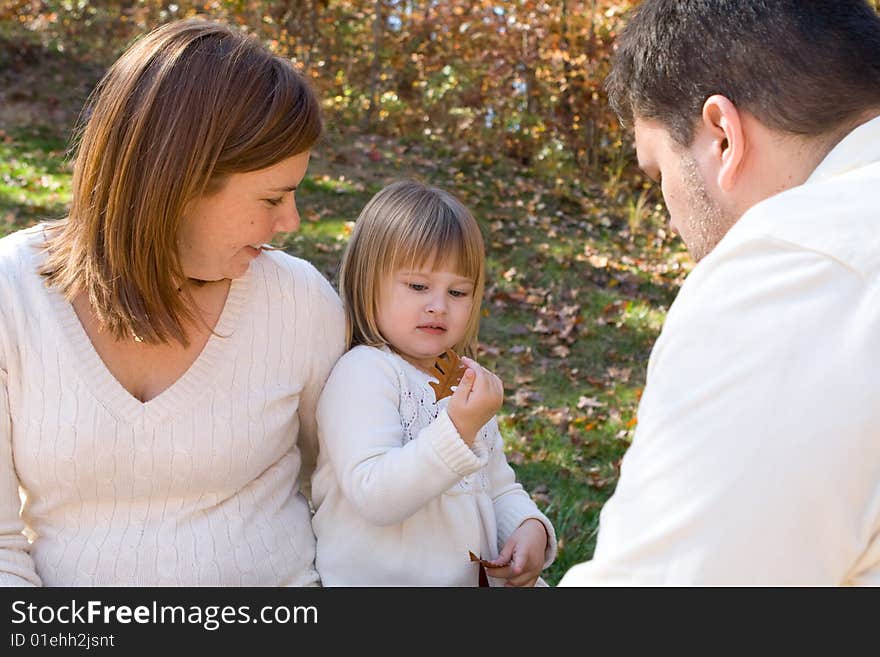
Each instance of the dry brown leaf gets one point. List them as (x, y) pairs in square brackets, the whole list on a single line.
[(524, 397), (590, 402), (485, 563), (448, 369)]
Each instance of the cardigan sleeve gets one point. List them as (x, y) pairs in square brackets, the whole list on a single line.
[(511, 502), (383, 476), (16, 565), (326, 344)]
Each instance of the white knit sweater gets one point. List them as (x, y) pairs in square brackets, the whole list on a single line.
[(400, 498), (198, 486)]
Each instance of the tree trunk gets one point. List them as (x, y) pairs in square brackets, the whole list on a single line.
[(376, 67)]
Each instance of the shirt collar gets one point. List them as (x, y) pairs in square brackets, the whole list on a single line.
[(859, 148)]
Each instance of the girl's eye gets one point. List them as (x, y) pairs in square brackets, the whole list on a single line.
[(274, 201), (418, 287), (458, 293)]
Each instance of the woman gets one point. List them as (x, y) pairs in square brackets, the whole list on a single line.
[(159, 366)]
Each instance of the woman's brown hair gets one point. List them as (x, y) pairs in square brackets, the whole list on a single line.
[(183, 108)]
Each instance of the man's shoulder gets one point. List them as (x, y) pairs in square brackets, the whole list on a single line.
[(800, 256), (834, 218)]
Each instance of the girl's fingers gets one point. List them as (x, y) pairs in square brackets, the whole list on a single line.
[(500, 572), (517, 560), (486, 378), (464, 387), (505, 554), (470, 362), (522, 582)]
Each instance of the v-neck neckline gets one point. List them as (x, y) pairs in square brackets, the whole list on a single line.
[(199, 376)]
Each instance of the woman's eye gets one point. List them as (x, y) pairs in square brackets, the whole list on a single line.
[(274, 201)]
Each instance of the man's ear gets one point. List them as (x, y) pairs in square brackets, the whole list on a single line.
[(722, 123)]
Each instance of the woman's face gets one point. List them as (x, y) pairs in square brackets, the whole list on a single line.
[(222, 232)]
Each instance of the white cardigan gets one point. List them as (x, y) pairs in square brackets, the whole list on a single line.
[(400, 499), (196, 487), (757, 454)]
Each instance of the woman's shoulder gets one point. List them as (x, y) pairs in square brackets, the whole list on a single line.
[(292, 278), (19, 248), (20, 258), (278, 261)]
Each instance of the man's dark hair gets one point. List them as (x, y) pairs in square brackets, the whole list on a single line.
[(805, 67)]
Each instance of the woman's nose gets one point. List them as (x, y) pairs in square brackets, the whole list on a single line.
[(287, 220)]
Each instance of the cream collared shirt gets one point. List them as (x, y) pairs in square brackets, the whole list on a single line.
[(757, 456)]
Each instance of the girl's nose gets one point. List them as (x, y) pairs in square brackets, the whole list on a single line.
[(437, 305)]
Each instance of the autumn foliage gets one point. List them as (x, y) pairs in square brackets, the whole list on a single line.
[(518, 79)]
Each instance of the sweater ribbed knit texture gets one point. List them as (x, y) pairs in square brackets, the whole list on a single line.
[(196, 487)]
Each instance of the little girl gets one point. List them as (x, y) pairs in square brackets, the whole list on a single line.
[(406, 486)]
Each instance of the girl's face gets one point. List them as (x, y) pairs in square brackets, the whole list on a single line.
[(221, 233), (424, 312)]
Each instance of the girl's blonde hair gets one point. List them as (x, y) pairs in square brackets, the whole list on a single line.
[(183, 108), (408, 225)]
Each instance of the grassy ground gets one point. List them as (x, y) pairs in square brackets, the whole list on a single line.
[(580, 277)]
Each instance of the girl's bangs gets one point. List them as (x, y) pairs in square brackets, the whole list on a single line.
[(421, 246)]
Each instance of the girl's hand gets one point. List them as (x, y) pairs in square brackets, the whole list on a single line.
[(475, 401), (522, 554)]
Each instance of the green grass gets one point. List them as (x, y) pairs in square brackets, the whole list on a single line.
[(579, 280), (34, 177)]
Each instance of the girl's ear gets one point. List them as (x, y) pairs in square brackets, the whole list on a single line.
[(723, 126)]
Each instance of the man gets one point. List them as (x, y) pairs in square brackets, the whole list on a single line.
[(757, 456)]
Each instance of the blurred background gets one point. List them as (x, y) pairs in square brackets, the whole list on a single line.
[(502, 104)]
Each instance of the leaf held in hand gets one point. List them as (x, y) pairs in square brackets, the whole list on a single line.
[(482, 576), (448, 369), (485, 563)]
